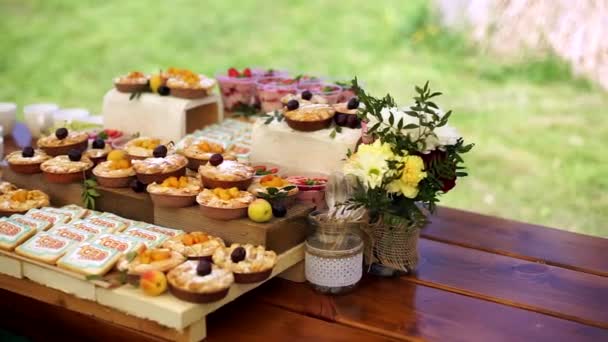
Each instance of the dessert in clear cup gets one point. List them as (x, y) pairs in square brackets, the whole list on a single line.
[(272, 89), (224, 204), (346, 113), (69, 168), (98, 151), (27, 161), (304, 97), (275, 189), (143, 147), (249, 263), (175, 192), (308, 117), (133, 82), (200, 151), (20, 201), (160, 167), (238, 88), (347, 90), (62, 141), (146, 259), (311, 189), (331, 92), (269, 72), (116, 172), (187, 84), (199, 281), (220, 173), (195, 245)]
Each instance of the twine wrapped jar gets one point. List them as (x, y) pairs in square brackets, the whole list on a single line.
[(334, 255)]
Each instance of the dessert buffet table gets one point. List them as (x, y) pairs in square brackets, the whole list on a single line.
[(480, 279)]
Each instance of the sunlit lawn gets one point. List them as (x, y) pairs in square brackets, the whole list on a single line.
[(540, 154)]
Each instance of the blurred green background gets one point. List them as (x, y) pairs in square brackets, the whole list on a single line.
[(539, 131)]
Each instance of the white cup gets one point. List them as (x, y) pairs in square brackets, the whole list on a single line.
[(39, 117), (8, 116), (68, 115)]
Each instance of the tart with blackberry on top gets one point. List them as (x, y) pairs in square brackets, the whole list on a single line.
[(98, 151), (249, 263), (308, 117), (175, 192), (199, 153), (21, 200), (68, 168), (346, 113), (195, 245), (27, 161), (63, 141), (116, 172), (305, 97), (275, 189), (220, 173), (146, 259), (224, 204), (143, 147), (133, 82), (160, 167), (199, 281)]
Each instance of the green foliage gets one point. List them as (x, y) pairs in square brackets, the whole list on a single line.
[(276, 115), (274, 193), (89, 193)]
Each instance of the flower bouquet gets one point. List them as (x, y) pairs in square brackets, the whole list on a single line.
[(411, 158)]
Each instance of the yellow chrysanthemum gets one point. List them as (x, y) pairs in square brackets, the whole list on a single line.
[(370, 164), (413, 173)]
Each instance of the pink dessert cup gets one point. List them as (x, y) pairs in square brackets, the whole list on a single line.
[(237, 91), (272, 89), (330, 91), (263, 72)]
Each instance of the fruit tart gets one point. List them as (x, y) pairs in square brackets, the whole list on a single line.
[(27, 161), (249, 263), (224, 204), (311, 189), (67, 168), (7, 187), (346, 113), (143, 147), (195, 245), (133, 82), (21, 200), (199, 153), (116, 172), (144, 259), (275, 189), (220, 173), (160, 167), (189, 85), (305, 97), (308, 117), (63, 141), (98, 151), (175, 192), (199, 281)]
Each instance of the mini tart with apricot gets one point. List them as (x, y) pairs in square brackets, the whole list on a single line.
[(249, 263), (195, 245), (62, 141), (224, 204), (116, 172), (62, 169), (27, 161), (199, 152), (133, 82), (143, 147), (21, 200), (158, 259), (175, 192), (152, 170), (189, 85), (199, 281), (309, 117), (227, 174), (276, 189), (6, 187)]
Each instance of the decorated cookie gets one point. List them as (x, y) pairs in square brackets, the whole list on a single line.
[(13, 233), (112, 224), (80, 211), (53, 218), (150, 238), (69, 213), (90, 227), (89, 259), (128, 223), (38, 225), (121, 243), (169, 232), (71, 233), (45, 247)]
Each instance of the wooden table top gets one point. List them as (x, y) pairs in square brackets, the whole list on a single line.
[(480, 279)]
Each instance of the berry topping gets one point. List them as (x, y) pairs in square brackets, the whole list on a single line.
[(160, 151), (27, 152), (352, 121), (61, 133), (306, 95), (232, 72), (340, 119), (279, 210), (164, 90), (216, 159), (247, 72), (203, 268), (99, 143), (75, 155), (293, 105), (353, 103), (238, 254), (138, 186)]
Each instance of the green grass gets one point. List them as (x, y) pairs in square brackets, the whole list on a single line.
[(540, 133)]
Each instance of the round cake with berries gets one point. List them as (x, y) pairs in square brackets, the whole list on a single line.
[(69, 168), (63, 141), (199, 281), (27, 161)]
